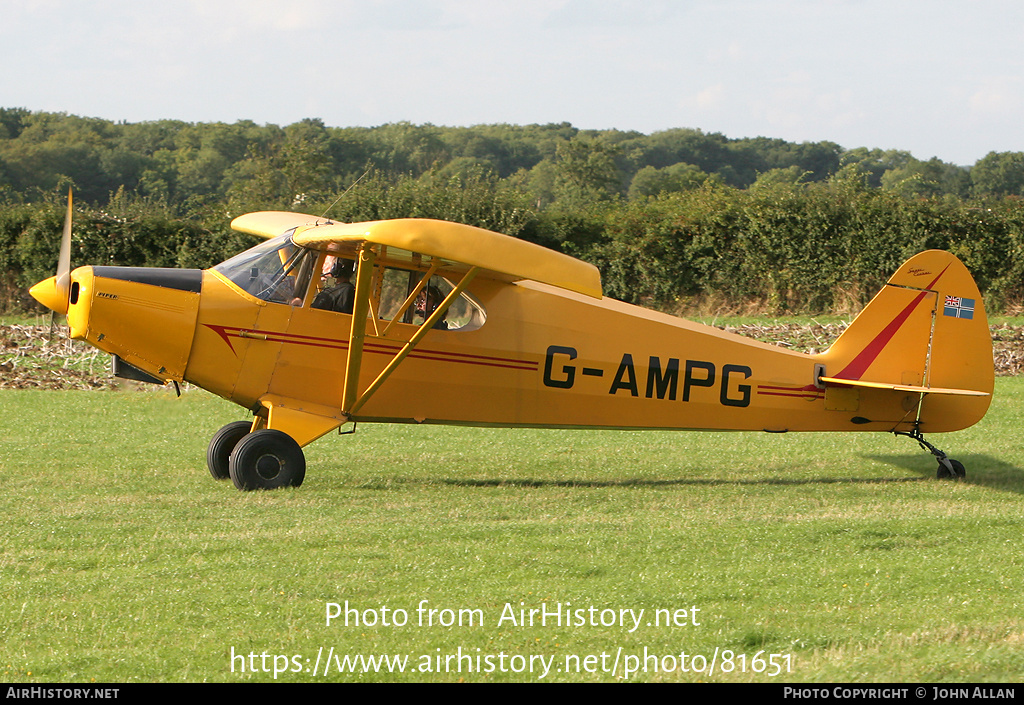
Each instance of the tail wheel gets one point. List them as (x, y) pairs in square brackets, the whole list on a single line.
[(948, 468), (266, 460), (955, 471), (221, 445)]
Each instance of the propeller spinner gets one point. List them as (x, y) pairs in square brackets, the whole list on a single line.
[(55, 292)]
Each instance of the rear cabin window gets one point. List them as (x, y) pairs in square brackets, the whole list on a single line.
[(396, 285)]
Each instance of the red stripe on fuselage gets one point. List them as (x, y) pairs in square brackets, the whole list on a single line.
[(807, 392), (228, 332)]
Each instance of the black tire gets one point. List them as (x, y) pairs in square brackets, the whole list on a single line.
[(221, 445), (958, 473), (266, 460)]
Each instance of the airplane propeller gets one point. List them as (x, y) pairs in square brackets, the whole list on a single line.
[(55, 292)]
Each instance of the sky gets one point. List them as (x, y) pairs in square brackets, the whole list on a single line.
[(937, 78)]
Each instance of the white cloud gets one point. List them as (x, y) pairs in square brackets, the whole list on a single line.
[(711, 97), (997, 98)]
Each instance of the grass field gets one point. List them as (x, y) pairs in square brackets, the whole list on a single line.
[(826, 557)]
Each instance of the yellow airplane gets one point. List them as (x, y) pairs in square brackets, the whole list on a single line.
[(450, 324)]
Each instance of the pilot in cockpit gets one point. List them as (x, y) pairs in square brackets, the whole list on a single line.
[(340, 297)]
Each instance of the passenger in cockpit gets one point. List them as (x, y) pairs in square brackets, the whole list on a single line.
[(427, 302)]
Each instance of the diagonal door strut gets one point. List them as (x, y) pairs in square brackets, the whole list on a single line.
[(350, 402)]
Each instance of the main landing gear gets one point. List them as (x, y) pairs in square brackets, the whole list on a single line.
[(948, 469), (262, 460)]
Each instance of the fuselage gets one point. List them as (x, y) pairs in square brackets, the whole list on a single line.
[(544, 357)]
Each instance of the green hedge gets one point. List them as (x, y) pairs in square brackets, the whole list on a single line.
[(798, 248), (129, 235)]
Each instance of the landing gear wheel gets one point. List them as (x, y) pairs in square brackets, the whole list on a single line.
[(955, 471), (948, 468), (266, 460), (221, 445)]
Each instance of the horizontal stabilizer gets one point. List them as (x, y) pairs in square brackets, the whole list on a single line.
[(904, 387)]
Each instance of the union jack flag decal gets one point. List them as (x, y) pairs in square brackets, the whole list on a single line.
[(958, 307)]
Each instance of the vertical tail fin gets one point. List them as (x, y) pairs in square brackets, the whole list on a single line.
[(926, 332)]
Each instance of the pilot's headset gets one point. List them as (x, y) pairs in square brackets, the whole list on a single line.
[(342, 268)]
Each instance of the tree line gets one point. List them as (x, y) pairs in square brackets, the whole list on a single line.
[(675, 220)]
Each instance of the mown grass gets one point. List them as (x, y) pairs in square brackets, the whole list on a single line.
[(122, 560)]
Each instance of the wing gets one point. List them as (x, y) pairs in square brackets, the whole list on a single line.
[(268, 224), (459, 246)]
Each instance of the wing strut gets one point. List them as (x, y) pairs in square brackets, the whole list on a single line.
[(364, 277), (351, 403)]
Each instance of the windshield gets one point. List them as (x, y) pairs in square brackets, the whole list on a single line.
[(277, 270)]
